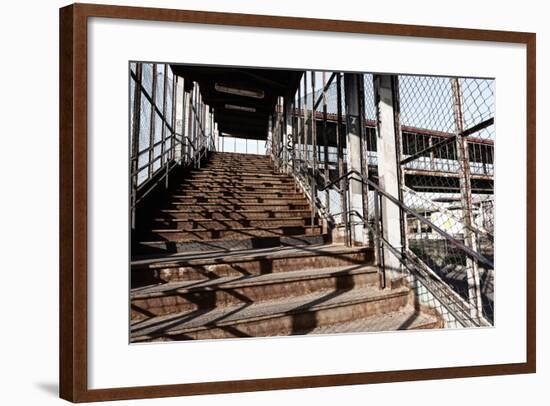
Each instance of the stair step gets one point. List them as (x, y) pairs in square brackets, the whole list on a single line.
[(201, 214), (237, 172), (251, 177), (287, 316), (263, 160), (236, 189), (244, 232), (406, 318), (174, 297), (235, 207), (211, 194), (235, 181), (210, 224), (222, 263), (220, 200), (237, 155), (151, 248)]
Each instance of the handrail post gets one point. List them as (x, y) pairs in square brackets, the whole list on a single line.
[(378, 246)]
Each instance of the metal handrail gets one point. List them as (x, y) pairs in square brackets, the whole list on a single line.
[(470, 252), (300, 173)]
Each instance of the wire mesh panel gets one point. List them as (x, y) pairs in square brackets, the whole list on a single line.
[(155, 132), (447, 169), (147, 77)]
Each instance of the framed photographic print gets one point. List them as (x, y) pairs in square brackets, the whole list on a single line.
[(255, 202)]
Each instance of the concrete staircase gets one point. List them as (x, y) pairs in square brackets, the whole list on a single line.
[(233, 252)]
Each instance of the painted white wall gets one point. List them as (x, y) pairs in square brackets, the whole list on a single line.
[(30, 297)]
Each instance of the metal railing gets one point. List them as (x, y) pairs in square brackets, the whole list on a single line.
[(452, 300), (170, 127)]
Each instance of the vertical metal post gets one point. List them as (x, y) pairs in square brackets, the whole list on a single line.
[(340, 153), (179, 140), (325, 142), (364, 153), (190, 137), (186, 134), (306, 136), (301, 133), (163, 158), (152, 122), (285, 133), (315, 151), (292, 115), (134, 147), (399, 152), (214, 135), (470, 240), (172, 153), (379, 256)]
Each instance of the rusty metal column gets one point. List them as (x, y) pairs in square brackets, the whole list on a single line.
[(315, 151), (354, 158), (388, 170), (470, 240), (306, 136), (325, 143), (364, 155)]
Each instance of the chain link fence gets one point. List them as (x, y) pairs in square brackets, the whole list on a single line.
[(448, 135), (446, 153)]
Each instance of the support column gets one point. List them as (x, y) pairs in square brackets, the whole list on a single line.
[(180, 122), (470, 240), (385, 88), (340, 141), (190, 124), (288, 136), (355, 192), (325, 144)]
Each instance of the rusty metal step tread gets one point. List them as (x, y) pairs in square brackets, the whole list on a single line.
[(221, 206), (210, 188), (180, 323), (246, 176), (207, 170), (267, 228), (239, 194), (228, 244), (406, 318), (222, 256), (269, 219), (233, 282), (250, 211)]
